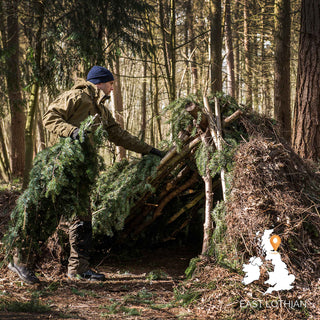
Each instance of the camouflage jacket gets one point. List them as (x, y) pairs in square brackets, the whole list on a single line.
[(66, 113)]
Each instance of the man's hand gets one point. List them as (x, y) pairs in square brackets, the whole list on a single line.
[(75, 134), (158, 152)]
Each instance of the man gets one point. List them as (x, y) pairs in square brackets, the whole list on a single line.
[(63, 119)]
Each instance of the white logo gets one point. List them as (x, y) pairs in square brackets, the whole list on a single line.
[(279, 278)]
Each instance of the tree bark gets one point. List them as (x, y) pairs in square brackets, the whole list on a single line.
[(231, 86), (155, 87), (34, 97), (144, 102), (208, 225), (118, 104), (237, 51), (173, 49), (215, 46), (31, 111), (191, 55), (282, 109), (156, 98), (187, 23), (247, 58), (168, 44), (4, 159), (306, 124), (266, 77), (40, 127), (215, 128), (11, 45)]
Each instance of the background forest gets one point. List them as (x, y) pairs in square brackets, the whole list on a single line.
[(176, 63), (255, 51)]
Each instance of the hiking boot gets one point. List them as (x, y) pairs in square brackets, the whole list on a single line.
[(88, 275), (24, 273)]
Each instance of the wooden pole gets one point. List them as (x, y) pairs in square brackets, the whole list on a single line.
[(194, 110), (215, 128), (188, 206), (207, 179), (220, 143)]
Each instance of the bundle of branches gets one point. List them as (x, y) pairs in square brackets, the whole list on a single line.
[(117, 190), (59, 185), (273, 188)]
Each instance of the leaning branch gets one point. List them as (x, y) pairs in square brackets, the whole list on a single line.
[(158, 212)]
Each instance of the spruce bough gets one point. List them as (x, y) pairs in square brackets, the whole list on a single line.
[(60, 184), (117, 190)]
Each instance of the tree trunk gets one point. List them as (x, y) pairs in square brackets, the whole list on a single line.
[(151, 99), (208, 225), (306, 128), (4, 159), (256, 81), (215, 46), (231, 87), (173, 50), (34, 97), (11, 44), (187, 23), (40, 127), (237, 51), (144, 101), (165, 46), (118, 105), (282, 110), (31, 111), (266, 78), (247, 58), (192, 47), (156, 98)]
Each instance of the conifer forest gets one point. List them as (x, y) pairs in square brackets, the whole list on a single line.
[(229, 92)]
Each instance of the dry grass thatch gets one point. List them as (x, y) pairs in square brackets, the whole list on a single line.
[(273, 188)]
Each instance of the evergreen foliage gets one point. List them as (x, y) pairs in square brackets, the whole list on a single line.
[(179, 118), (60, 183), (223, 158), (119, 20), (202, 157), (117, 190), (218, 249), (192, 267)]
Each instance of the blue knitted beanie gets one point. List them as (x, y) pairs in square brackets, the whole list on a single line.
[(99, 74)]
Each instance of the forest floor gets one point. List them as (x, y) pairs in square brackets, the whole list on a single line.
[(150, 286), (142, 287)]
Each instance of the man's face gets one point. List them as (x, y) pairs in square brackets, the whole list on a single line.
[(106, 87)]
